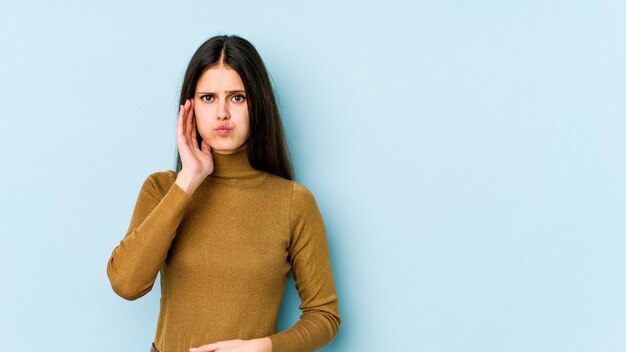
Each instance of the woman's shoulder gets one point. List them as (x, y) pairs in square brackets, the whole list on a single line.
[(303, 206), (163, 176), (276, 180), (301, 196), (296, 190), (159, 182)]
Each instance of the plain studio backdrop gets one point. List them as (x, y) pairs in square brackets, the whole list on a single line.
[(467, 158)]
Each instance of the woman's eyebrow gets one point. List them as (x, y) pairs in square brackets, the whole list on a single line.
[(227, 91)]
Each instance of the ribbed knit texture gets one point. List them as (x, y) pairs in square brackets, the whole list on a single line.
[(224, 254)]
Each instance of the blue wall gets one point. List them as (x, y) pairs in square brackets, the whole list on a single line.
[(467, 157)]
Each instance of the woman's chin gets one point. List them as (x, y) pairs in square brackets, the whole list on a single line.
[(223, 150), (227, 148)]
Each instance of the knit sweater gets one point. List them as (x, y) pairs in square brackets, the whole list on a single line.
[(224, 253)]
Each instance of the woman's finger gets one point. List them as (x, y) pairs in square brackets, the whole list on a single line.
[(182, 142), (179, 124), (188, 124), (185, 121), (206, 348), (205, 147), (194, 129)]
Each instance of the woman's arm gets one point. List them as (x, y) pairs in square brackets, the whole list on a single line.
[(312, 272), (136, 261)]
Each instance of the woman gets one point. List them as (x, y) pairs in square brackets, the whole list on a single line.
[(228, 225)]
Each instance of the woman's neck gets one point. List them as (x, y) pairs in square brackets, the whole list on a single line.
[(233, 167)]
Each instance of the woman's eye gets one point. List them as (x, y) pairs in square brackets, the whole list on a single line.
[(205, 96), (239, 96)]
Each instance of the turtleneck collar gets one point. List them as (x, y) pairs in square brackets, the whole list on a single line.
[(234, 167)]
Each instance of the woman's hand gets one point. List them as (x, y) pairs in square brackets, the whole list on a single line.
[(263, 344), (196, 160)]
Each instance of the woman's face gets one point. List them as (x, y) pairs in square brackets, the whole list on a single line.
[(221, 100)]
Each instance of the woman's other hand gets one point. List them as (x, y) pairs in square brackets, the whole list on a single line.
[(263, 344)]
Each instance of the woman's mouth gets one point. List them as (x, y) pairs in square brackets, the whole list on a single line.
[(222, 130)]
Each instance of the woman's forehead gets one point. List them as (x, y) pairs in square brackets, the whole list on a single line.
[(220, 79)]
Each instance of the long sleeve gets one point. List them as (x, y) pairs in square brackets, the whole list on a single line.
[(312, 272), (137, 259)]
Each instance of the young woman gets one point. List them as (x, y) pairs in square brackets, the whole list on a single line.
[(226, 228)]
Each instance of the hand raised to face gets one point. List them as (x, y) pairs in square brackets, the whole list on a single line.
[(195, 159)]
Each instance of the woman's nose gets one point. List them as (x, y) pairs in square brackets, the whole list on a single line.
[(222, 111)]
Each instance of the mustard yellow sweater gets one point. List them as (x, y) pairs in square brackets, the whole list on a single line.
[(224, 254)]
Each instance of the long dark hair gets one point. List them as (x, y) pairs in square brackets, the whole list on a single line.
[(267, 149)]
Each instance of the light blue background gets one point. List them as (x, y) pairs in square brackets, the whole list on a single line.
[(467, 157)]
